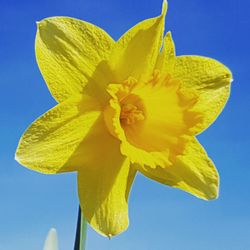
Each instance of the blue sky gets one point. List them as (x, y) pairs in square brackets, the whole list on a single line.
[(160, 217)]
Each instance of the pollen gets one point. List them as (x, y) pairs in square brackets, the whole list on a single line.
[(130, 114)]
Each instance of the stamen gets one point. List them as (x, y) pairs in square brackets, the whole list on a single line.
[(130, 114), (130, 83)]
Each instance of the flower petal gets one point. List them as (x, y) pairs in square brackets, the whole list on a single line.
[(166, 58), (49, 143), (104, 184), (136, 52), (68, 52), (211, 81), (192, 172)]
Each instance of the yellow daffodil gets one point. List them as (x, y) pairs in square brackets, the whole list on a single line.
[(123, 107)]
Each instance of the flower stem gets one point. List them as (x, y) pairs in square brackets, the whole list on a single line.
[(81, 232)]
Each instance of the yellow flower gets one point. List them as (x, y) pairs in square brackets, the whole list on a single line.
[(124, 106)]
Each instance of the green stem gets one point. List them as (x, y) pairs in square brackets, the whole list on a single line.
[(81, 232)]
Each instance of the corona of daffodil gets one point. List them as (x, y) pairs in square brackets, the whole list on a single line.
[(123, 106)]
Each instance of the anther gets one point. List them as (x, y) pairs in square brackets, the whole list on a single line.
[(130, 114), (130, 81)]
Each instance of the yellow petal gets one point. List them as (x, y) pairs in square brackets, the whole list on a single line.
[(68, 52), (104, 183), (166, 59), (48, 145), (211, 81), (136, 52), (192, 172)]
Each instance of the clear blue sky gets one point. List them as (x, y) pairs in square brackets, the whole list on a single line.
[(161, 218)]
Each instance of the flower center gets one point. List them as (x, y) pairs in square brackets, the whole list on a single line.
[(130, 114), (156, 115)]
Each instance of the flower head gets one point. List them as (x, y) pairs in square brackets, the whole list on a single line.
[(123, 107)]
